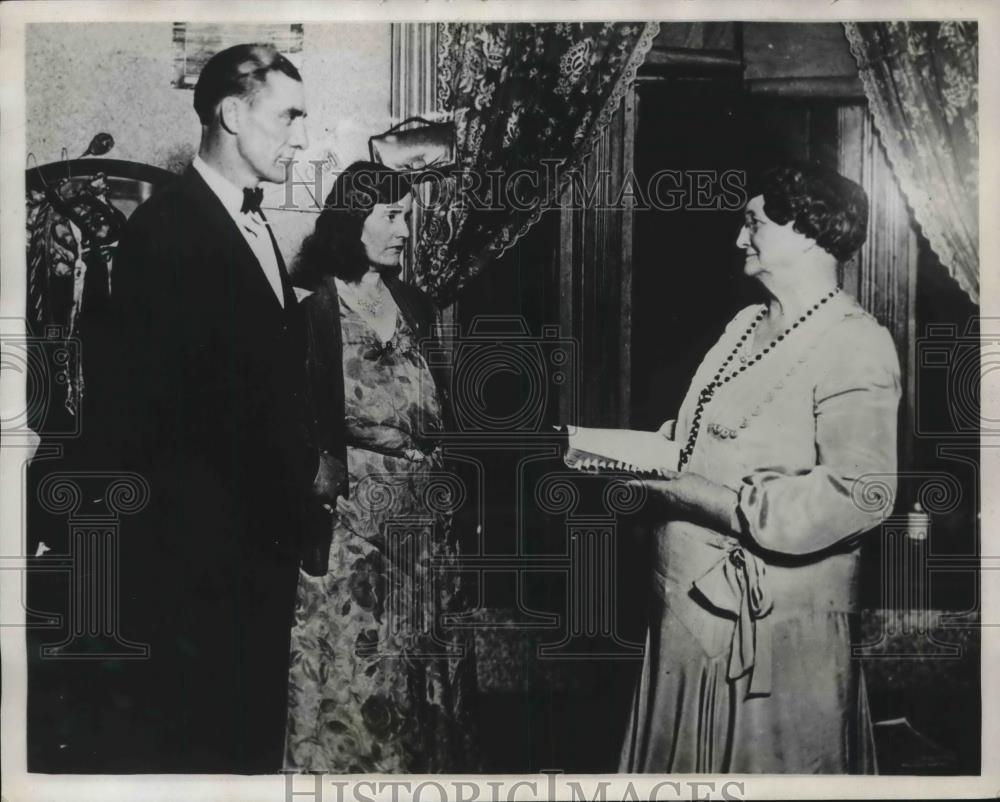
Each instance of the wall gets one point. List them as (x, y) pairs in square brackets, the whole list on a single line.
[(116, 77), (800, 50)]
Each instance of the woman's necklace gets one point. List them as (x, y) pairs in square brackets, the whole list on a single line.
[(708, 392), (371, 301)]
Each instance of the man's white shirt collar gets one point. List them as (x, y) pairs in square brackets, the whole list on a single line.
[(253, 227), (226, 191)]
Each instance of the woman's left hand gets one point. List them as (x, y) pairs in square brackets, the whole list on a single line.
[(692, 497)]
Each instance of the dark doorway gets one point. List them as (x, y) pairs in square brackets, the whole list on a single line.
[(687, 280)]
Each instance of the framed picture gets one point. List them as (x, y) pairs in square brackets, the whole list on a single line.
[(196, 42)]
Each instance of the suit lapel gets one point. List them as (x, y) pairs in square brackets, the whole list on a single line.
[(286, 283), (248, 268)]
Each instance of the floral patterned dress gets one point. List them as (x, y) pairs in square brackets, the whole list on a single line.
[(379, 682)]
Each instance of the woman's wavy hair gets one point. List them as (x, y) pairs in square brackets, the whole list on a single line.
[(334, 246), (821, 203)]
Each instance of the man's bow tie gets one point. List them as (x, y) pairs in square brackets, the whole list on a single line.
[(251, 200)]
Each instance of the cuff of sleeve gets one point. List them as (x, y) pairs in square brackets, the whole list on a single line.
[(743, 495), (753, 507)]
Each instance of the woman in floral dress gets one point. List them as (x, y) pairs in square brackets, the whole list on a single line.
[(378, 682)]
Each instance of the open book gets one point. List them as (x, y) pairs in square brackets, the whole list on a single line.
[(620, 450)]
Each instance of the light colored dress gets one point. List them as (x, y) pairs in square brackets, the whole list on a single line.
[(748, 662), (378, 683)]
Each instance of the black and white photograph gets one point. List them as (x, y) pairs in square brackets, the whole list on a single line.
[(495, 401)]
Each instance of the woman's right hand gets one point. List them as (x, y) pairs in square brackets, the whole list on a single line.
[(391, 441), (691, 497)]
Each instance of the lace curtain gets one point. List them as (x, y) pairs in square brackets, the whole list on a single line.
[(921, 80), (529, 101)]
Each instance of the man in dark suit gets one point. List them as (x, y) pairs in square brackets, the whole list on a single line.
[(207, 406)]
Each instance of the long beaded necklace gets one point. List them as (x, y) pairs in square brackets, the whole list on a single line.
[(708, 392)]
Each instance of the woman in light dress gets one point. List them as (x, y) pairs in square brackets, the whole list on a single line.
[(788, 454)]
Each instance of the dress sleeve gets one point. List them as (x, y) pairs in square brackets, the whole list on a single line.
[(855, 408)]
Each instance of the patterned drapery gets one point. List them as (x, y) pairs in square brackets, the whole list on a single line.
[(921, 80), (528, 101)]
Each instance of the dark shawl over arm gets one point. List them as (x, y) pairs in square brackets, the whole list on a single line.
[(324, 400)]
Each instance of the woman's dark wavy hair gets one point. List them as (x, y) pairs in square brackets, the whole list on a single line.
[(821, 203), (334, 247)]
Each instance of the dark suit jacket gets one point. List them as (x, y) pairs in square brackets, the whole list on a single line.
[(207, 403)]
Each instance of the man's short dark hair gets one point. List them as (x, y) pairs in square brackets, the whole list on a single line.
[(822, 204), (237, 71)]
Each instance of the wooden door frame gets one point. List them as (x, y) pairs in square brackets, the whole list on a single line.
[(595, 253)]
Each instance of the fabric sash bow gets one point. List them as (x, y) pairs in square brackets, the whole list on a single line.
[(735, 584)]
